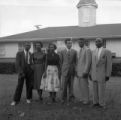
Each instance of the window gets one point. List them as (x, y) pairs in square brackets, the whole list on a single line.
[(60, 45), (34, 47), (104, 43), (2, 50), (87, 42), (44, 50), (20, 46)]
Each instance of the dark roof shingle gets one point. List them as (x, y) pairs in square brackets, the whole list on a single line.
[(105, 30)]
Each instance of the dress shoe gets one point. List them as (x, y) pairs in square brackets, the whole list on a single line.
[(28, 101), (102, 107), (71, 98), (85, 102), (63, 101), (80, 100), (41, 99), (53, 100), (13, 103), (96, 105)]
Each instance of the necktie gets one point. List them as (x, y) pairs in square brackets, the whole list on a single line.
[(68, 55), (69, 52), (97, 54), (80, 52), (27, 57)]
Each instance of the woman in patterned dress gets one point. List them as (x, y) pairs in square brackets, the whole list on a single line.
[(52, 83), (38, 67)]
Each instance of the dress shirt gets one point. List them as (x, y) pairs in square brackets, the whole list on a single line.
[(68, 50), (99, 52), (79, 52), (25, 52)]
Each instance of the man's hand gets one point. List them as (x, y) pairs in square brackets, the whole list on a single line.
[(22, 75), (85, 75), (76, 74), (44, 75), (90, 77), (106, 78), (59, 74)]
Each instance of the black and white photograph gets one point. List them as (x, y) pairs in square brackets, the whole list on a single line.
[(60, 59)]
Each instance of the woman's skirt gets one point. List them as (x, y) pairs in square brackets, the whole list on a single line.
[(51, 81), (38, 72)]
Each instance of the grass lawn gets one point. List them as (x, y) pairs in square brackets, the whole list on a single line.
[(41, 111)]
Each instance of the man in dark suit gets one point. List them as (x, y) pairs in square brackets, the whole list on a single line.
[(25, 73), (68, 62)]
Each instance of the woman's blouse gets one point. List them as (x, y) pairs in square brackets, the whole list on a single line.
[(53, 59), (38, 58)]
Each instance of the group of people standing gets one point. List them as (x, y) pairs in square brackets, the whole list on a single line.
[(55, 72)]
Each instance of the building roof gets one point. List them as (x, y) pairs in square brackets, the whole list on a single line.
[(86, 2), (59, 33)]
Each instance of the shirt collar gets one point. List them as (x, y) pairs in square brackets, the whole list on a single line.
[(81, 48), (25, 51), (100, 48), (68, 49)]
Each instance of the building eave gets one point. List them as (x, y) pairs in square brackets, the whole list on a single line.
[(81, 5), (57, 39)]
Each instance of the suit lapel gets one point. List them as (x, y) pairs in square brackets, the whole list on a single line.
[(23, 55), (102, 52), (65, 52), (95, 56), (30, 59), (81, 52), (71, 52)]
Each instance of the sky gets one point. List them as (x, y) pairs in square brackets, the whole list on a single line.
[(17, 16)]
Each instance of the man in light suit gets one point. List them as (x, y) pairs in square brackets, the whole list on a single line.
[(68, 63), (101, 68), (25, 73), (83, 69)]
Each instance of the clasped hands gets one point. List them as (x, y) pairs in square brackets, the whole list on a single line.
[(84, 75), (21, 75), (106, 78)]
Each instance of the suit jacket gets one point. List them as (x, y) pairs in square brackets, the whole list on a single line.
[(68, 64), (20, 61), (102, 67), (84, 61)]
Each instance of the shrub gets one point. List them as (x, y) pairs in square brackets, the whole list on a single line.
[(116, 69), (7, 68)]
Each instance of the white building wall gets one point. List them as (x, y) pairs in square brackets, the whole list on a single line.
[(61, 45), (114, 46), (9, 50), (92, 45)]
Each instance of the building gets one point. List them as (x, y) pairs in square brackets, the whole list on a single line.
[(87, 29), (87, 13)]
